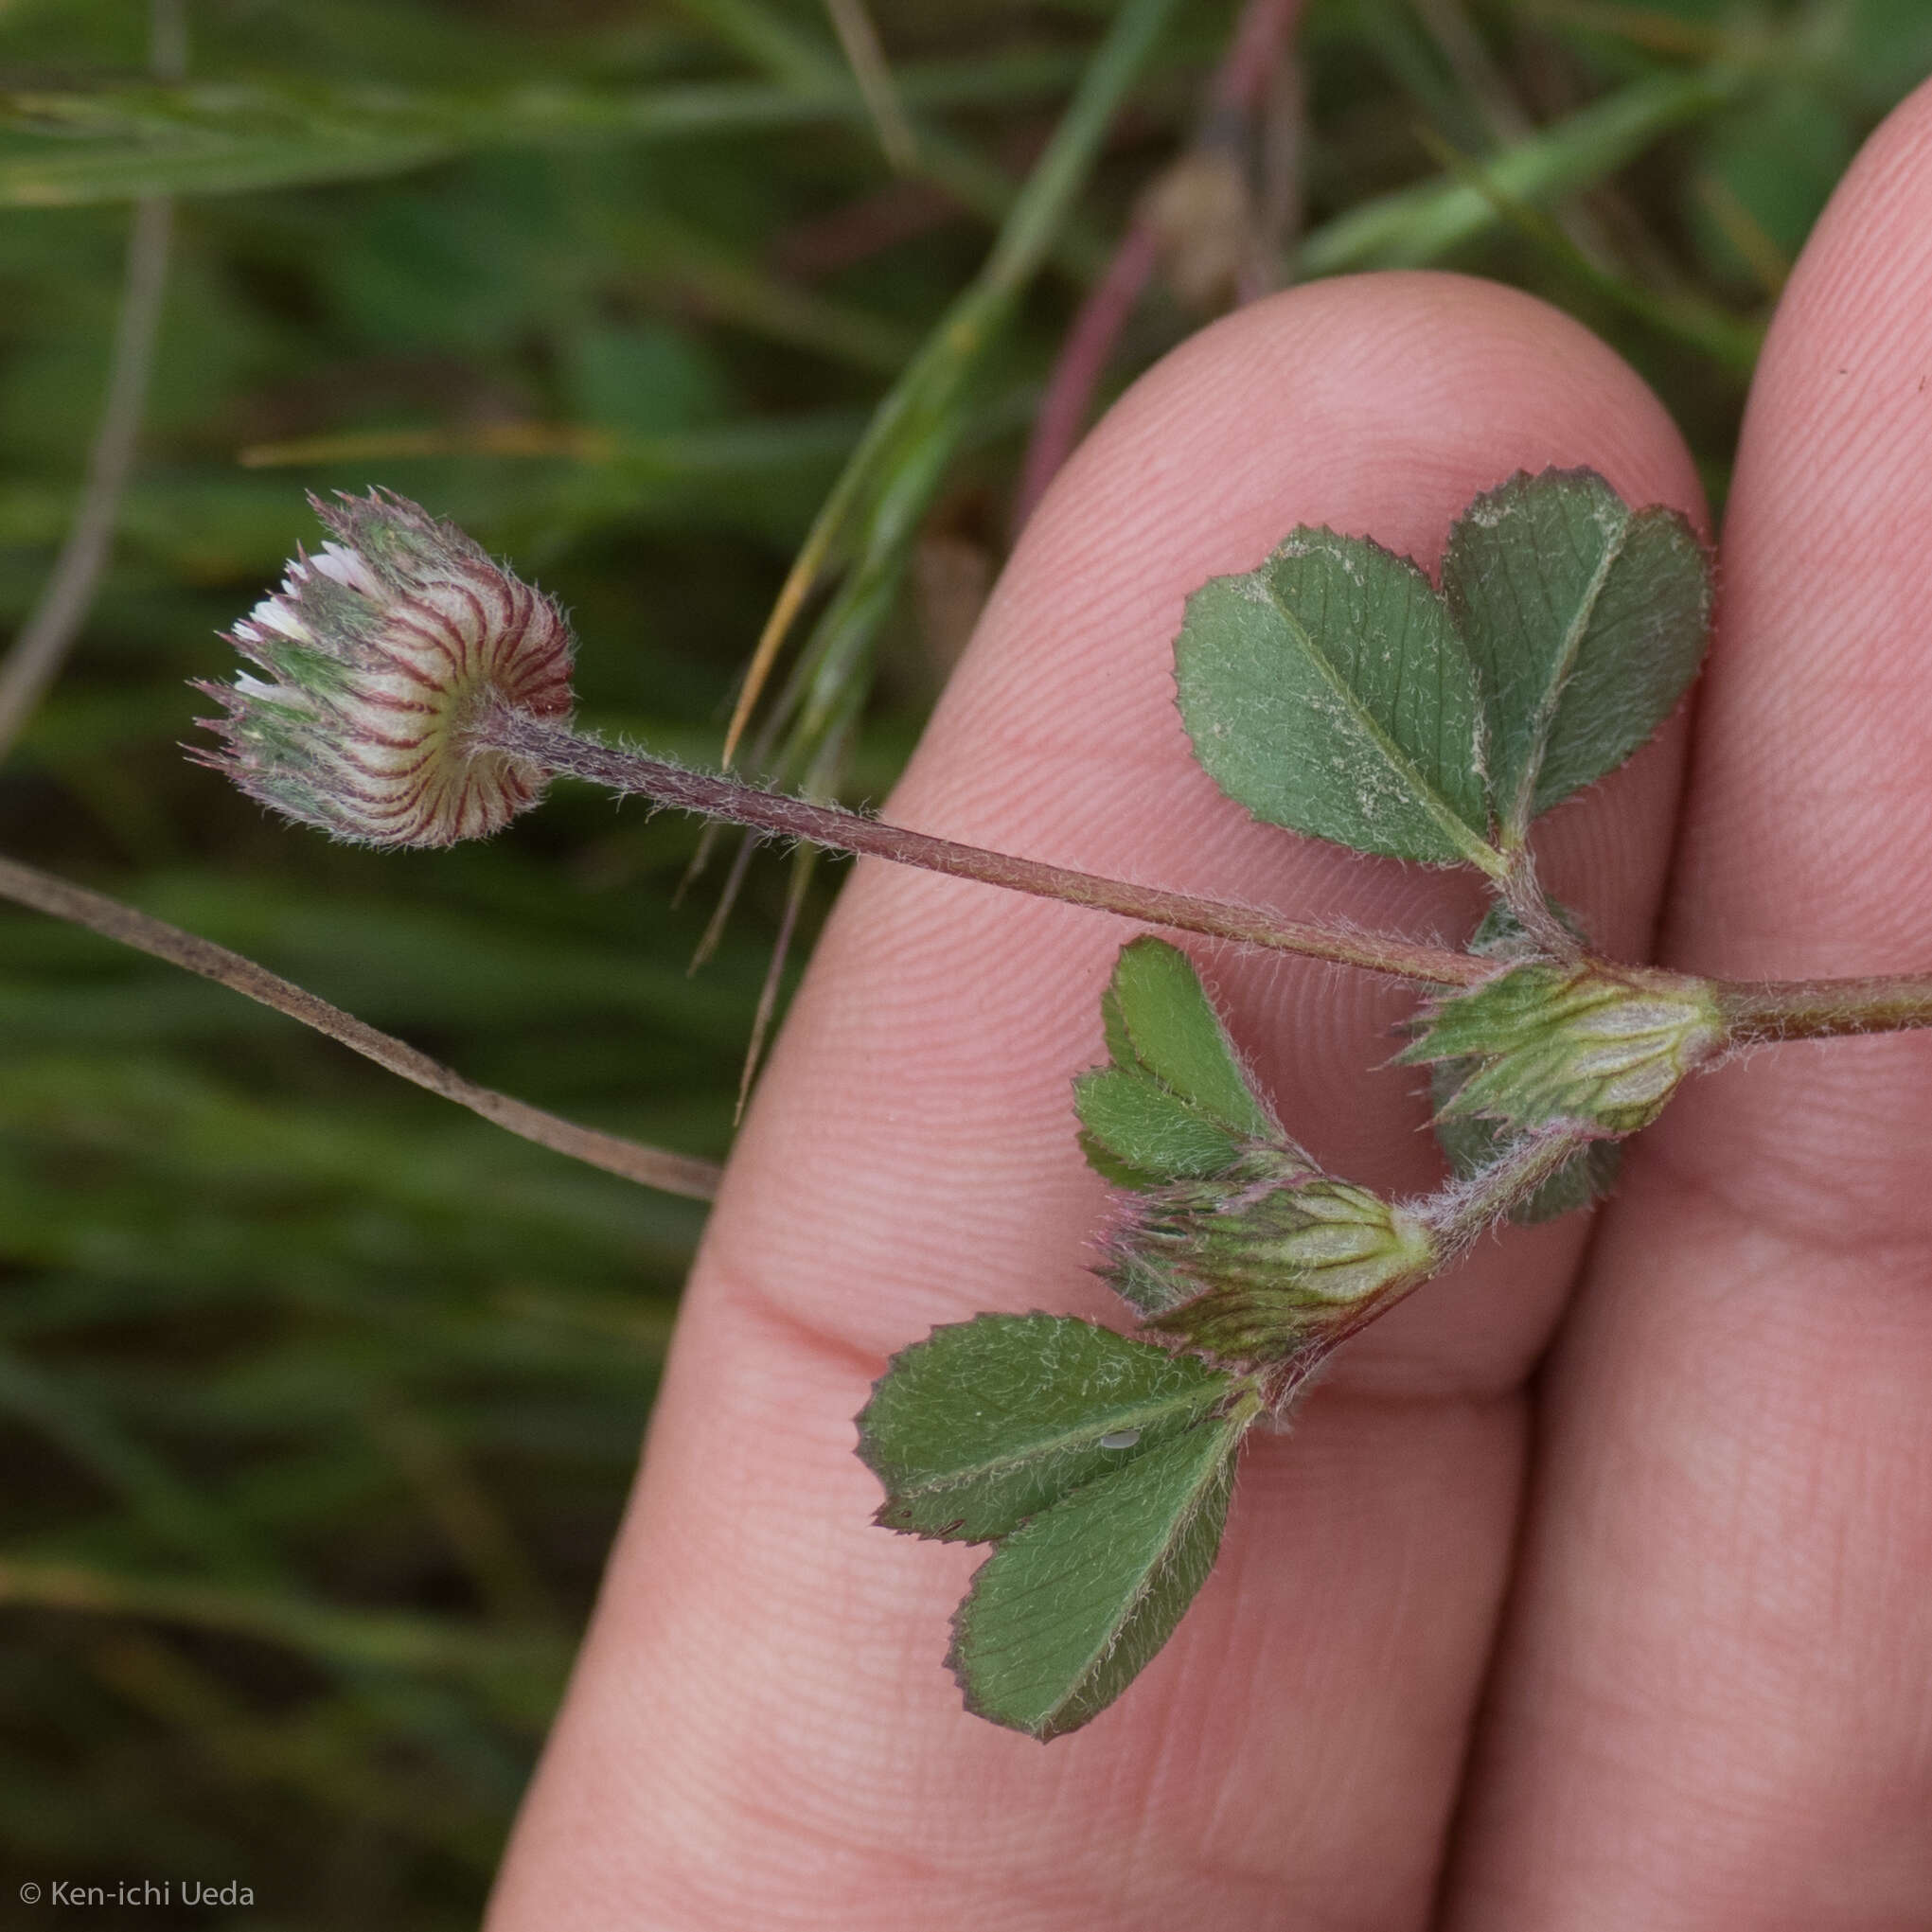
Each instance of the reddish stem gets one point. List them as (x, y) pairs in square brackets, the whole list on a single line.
[(839, 830), (1763, 1012), (61, 899), (1255, 47), (1083, 358), (1239, 81)]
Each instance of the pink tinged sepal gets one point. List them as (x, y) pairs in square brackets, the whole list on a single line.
[(376, 667)]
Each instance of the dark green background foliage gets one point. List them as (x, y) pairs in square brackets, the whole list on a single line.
[(318, 1399)]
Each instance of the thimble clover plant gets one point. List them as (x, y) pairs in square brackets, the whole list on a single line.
[(414, 692)]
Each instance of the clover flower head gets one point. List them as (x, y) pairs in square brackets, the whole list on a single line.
[(1549, 1040), (381, 659), (1265, 1260)]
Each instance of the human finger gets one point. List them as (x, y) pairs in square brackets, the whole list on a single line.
[(759, 1732), (1716, 1700)]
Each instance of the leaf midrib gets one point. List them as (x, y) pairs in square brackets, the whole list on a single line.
[(1178, 1524), (1460, 833), (1543, 721), (1151, 1410)]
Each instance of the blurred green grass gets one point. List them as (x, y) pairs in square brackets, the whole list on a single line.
[(318, 1399)]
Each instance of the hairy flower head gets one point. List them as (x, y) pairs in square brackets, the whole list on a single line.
[(382, 655), (1544, 1041), (1263, 1261)]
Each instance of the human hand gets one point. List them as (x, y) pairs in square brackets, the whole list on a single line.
[(1588, 1588)]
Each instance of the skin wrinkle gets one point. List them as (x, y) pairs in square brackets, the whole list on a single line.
[(853, 1176), (1798, 1852), (1198, 1692), (1776, 1188), (1613, 1715), (779, 1836)]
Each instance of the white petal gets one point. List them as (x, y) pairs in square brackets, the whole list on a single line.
[(271, 614), (348, 567)]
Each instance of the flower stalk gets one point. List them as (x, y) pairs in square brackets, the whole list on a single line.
[(411, 691), (560, 752), (1456, 1214)]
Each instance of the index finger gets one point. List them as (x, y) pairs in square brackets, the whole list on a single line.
[(759, 1731)]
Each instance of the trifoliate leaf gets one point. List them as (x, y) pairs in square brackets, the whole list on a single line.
[(987, 1423), (1070, 1609), (1328, 691), (1586, 620)]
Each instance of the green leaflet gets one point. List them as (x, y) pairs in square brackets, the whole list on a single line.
[(986, 1424), (1335, 692), (1328, 692), (1148, 1130), (1176, 1035), (1101, 1467), (1174, 1104), (1586, 620), (1070, 1609)]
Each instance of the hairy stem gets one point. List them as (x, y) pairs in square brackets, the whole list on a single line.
[(839, 830), (650, 1166), (1463, 1209), (1762, 1013), (1456, 1216), (1531, 910)]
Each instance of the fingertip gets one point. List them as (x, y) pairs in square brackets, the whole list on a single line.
[(1377, 404), (1809, 839)]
